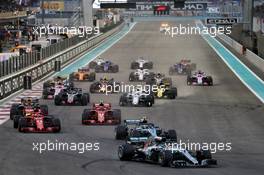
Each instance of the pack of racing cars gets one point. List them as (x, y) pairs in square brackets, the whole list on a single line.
[(143, 141), (30, 116)]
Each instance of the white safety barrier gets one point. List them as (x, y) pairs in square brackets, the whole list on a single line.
[(249, 55)]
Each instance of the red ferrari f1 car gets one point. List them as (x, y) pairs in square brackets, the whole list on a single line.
[(37, 122), (101, 114)]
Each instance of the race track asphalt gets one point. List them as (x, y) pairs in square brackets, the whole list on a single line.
[(225, 112)]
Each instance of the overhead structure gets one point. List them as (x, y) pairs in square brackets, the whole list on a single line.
[(248, 6), (87, 10)]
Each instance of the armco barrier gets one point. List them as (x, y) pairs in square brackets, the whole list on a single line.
[(14, 82), (249, 55)]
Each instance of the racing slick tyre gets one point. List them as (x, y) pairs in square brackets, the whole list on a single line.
[(16, 120), (123, 100), (115, 68), (210, 80), (172, 94), (172, 135), (13, 110), (189, 80), (92, 76), (165, 158), (56, 123), (148, 65), (117, 115), (71, 77), (134, 65), (131, 77), (126, 152), (46, 85), (93, 87), (85, 115), (57, 100), (22, 123), (85, 99), (45, 94), (44, 109), (149, 101), (121, 132), (202, 155), (92, 65)]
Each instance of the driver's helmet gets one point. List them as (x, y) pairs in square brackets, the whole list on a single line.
[(28, 102), (107, 62), (200, 72), (144, 120), (158, 75), (28, 115), (101, 103), (105, 78)]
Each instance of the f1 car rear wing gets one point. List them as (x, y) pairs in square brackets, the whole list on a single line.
[(132, 122), (138, 139)]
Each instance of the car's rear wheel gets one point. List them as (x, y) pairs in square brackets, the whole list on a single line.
[(44, 109), (126, 152), (121, 132), (165, 158), (16, 120), (22, 123), (57, 100), (57, 124)]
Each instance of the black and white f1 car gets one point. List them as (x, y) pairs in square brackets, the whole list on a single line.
[(159, 79), (140, 75), (184, 67), (138, 131), (104, 66), (199, 78), (165, 153), (72, 96), (141, 64), (54, 86), (105, 85), (137, 98)]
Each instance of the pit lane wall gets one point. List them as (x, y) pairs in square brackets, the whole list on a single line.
[(249, 55), (15, 82)]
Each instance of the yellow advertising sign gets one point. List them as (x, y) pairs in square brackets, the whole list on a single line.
[(53, 5)]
